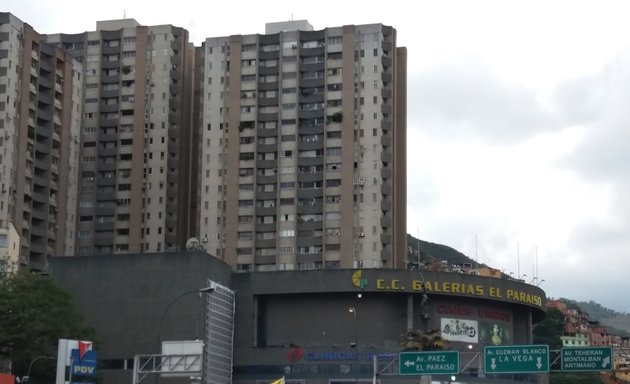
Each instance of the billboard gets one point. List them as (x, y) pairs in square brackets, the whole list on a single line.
[(465, 331), (74, 355)]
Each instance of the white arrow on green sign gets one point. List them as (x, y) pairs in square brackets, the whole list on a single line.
[(429, 363), (516, 359), (587, 359)]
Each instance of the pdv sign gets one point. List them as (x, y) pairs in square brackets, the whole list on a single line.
[(83, 364)]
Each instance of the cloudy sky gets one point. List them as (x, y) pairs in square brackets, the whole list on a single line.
[(519, 121)]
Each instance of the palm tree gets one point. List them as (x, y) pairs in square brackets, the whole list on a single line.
[(417, 340)]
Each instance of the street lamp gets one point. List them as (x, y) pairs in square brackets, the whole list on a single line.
[(198, 291), (26, 378), (355, 343)]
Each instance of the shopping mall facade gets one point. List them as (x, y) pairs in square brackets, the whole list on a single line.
[(322, 326)]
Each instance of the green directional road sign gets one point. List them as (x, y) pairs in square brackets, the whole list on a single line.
[(516, 359), (429, 363), (587, 359)]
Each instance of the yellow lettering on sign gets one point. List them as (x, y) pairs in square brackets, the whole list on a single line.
[(395, 284), (416, 285), (380, 284)]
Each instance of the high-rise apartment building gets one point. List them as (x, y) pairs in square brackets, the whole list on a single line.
[(302, 148), (40, 115), (135, 147)]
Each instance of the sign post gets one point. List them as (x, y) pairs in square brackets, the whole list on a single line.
[(516, 359), (429, 363), (587, 359)]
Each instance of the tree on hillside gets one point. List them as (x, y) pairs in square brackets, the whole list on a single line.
[(35, 313), (549, 330)]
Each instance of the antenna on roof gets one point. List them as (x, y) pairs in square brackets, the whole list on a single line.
[(124, 14)]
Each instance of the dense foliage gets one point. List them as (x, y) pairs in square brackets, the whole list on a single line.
[(549, 330), (35, 313)]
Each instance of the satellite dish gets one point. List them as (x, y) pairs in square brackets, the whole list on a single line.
[(192, 244)]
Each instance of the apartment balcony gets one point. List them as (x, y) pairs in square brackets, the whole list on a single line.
[(386, 188), (38, 231), (104, 239), (386, 206), (304, 209), (171, 222), (310, 114), (265, 227), (267, 148), (104, 226), (266, 163), (108, 123), (315, 51), (42, 164), (267, 243), (310, 161), (386, 109), (267, 132), (267, 101), (386, 221), (309, 225), (386, 254), (310, 176), (386, 77), (105, 196), (306, 241), (262, 71), (265, 211), (109, 107), (263, 117), (386, 239), (110, 64), (271, 195), (386, 61), (111, 79), (386, 173), (272, 85), (308, 257), (386, 140), (386, 92), (107, 152), (266, 55), (44, 130), (311, 129), (266, 259), (386, 156), (311, 97), (45, 82), (109, 93), (107, 50), (311, 83), (312, 67), (308, 145)]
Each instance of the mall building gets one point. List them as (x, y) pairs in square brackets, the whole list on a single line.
[(321, 326)]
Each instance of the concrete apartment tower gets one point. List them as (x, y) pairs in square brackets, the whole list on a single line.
[(40, 116), (302, 150), (135, 154)]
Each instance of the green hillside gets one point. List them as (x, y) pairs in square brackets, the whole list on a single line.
[(430, 252)]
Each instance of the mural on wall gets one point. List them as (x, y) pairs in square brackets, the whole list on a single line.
[(494, 333), (466, 331)]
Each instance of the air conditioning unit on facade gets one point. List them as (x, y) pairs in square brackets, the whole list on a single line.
[(361, 234)]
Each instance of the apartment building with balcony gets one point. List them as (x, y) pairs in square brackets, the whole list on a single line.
[(136, 147), (40, 114), (302, 161)]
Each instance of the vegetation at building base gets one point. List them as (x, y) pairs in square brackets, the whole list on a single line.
[(417, 340), (35, 313)]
